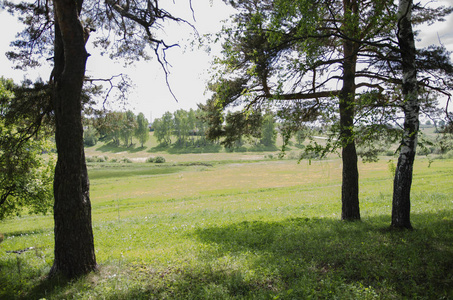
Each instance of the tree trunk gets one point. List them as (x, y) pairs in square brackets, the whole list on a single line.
[(350, 182), (74, 245), (403, 177)]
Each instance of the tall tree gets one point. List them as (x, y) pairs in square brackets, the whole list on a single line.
[(290, 55), (163, 128), (411, 108), (181, 126), (130, 20), (128, 127), (268, 132), (74, 242), (142, 131), (289, 52)]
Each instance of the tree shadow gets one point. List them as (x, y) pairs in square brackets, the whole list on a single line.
[(295, 258), (416, 263)]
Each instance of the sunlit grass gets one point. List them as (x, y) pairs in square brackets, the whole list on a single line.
[(263, 230)]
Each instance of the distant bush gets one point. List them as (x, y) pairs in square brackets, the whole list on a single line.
[(449, 154), (97, 159), (90, 159), (126, 160), (159, 160), (150, 160)]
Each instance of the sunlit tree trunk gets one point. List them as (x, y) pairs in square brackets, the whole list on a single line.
[(411, 107), (74, 246)]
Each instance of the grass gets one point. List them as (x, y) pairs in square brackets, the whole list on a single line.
[(254, 229)]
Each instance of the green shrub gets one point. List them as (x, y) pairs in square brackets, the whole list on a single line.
[(126, 160), (150, 160), (389, 153), (159, 160), (90, 137)]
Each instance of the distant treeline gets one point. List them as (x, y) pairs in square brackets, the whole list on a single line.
[(191, 128), (183, 129), (116, 127)]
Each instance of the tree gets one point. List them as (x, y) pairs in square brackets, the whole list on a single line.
[(142, 131), (412, 103), (26, 177), (90, 136), (181, 126), (268, 132), (55, 29), (283, 46), (411, 108), (163, 128), (128, 127), (287, 55), (108, 125)]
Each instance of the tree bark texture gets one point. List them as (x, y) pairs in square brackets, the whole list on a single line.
[(403, 176), (350, 182), (74, 244)]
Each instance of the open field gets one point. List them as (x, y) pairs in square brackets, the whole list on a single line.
[(239, 226)]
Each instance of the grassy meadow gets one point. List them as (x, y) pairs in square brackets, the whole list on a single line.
[(243, 226)]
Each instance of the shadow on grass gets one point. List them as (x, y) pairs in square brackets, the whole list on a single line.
[(296, 258), (351, 260), (113, 148)]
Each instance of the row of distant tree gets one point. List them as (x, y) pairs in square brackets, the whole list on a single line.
[(187, 128), (191, 128), (116, 127)]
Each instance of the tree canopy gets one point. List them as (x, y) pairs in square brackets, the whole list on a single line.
[(331, 62), (26, 177)]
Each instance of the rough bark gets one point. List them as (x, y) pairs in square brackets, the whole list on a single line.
[(403, 176), (350, 183), (74, 246)]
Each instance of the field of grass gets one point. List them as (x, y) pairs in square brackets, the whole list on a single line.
[(239, 226)]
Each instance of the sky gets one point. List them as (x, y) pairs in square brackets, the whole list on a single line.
[(190, 66), (189, 71)]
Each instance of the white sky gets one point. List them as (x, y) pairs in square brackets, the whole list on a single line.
[(190, 69)]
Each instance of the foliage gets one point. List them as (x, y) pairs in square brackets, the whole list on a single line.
[(26, 174), (142, 131), (284, 55), (159, 160), (128, 128), (163, 128), (90, 137)]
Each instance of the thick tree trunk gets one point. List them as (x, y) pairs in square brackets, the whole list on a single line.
[(350, 183), (74, 246), (411, 107)]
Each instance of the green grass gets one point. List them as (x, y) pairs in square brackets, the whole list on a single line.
[(265, 229)]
